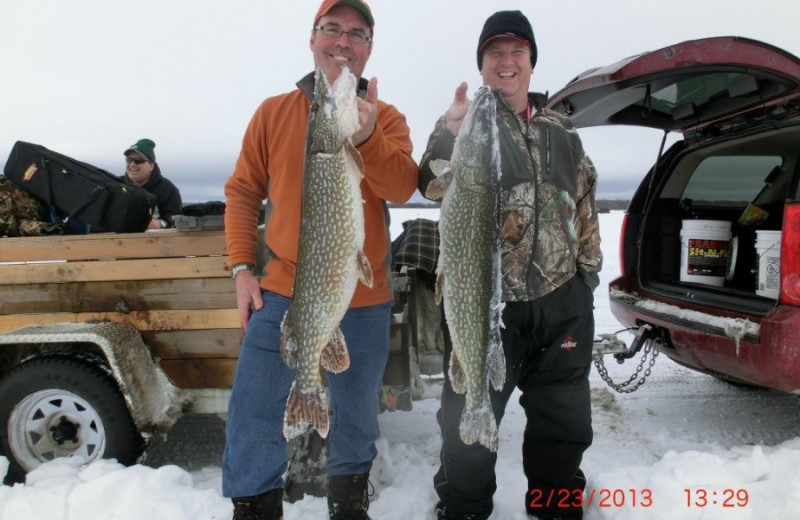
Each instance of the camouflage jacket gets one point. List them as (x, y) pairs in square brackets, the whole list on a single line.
[(22, 214), (550, 229)]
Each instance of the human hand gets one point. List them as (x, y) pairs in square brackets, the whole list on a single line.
[(458, 110), (367, 113), (248, 295), (155, 224)]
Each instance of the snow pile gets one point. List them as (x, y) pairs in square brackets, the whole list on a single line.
[(66, 489)]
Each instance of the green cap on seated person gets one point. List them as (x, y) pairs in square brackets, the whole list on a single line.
[(144, 147)]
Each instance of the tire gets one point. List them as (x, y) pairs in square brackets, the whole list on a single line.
[(61, 407)]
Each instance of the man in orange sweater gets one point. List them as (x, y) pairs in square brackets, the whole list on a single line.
[(270, 166)]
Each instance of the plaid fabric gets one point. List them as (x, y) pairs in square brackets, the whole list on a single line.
[(418, 245)]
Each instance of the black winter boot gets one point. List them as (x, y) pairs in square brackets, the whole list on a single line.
[(443, 514), (538, 510), (266, 506), (348, 498)]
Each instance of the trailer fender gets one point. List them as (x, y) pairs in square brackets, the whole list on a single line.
[(154, 403)]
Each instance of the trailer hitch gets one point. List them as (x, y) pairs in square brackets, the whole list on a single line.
[(645, 340)]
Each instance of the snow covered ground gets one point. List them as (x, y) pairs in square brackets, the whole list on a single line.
[(683, 446)]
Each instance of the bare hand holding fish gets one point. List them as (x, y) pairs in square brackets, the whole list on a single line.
[(454, 116), (367, 113)]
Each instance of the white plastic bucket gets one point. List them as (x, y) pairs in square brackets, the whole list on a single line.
[(705, 251), (768, 252)]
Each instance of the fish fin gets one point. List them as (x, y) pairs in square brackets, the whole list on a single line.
[(458, 379), (289, 351), (335, 357), (304, 409), (478, 425), (439, 166), (356, 155), (437, 295), (438, 186), (364, 269), (496, 363)]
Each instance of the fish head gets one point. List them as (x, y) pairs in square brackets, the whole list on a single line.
[(333, 118), (477, 145), (344, 96)]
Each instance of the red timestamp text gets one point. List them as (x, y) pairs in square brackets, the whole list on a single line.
[(602, 497), (728, 497)]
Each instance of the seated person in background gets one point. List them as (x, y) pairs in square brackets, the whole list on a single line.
[(141, 170)]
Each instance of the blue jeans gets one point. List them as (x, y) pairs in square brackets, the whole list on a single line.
[(254, 459)]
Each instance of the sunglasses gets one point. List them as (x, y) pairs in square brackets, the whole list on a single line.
[(135, 160)]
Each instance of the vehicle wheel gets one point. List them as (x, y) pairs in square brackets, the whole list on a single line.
[(60, 407)]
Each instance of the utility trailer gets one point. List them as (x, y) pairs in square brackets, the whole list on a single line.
[(107, 339)]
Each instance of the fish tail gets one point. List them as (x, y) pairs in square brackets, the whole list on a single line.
[(334, 356), (304, 409), (478, 425)]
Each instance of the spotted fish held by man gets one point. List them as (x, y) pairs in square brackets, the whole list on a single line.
[(468, 272), (330, 258)]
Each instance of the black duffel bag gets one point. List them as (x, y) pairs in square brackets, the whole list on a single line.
[(80, 190)]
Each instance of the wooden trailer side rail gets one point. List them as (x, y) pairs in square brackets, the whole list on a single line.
[(174, 287)]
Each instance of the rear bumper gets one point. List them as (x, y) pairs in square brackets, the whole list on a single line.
[(762, 350)]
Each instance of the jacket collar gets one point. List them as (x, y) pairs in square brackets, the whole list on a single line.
[(537, 99)]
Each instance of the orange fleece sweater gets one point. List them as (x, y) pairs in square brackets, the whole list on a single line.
[(270, 165)]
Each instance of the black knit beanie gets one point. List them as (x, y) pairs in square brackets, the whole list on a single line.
[(507, 23)]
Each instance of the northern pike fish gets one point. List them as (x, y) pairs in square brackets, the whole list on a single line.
[(468, 272), (330, 258)]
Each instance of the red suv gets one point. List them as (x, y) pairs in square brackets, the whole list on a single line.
[(710, 245)]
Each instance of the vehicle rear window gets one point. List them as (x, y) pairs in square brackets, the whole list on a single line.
[(729, 180), (693, 90), (703, 95)]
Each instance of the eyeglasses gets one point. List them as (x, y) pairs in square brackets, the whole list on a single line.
[(356, 36), (135, 160)]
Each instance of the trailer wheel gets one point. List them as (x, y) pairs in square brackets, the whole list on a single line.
[(61, 407)]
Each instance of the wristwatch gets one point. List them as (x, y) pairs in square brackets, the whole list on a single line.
[(236, 268)]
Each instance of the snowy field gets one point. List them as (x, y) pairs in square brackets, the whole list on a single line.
[(683, 446)]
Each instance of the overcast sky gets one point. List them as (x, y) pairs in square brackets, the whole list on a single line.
[(88, 78)]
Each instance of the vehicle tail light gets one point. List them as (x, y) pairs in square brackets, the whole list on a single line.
[(621, 245), (790, 255)]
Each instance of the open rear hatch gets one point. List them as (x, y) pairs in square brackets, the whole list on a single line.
[(735, 101), (683, 87)]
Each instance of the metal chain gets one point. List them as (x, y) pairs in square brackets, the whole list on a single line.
[(631, 384)]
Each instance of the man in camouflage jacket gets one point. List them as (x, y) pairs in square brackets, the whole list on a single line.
[(550, 262)]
